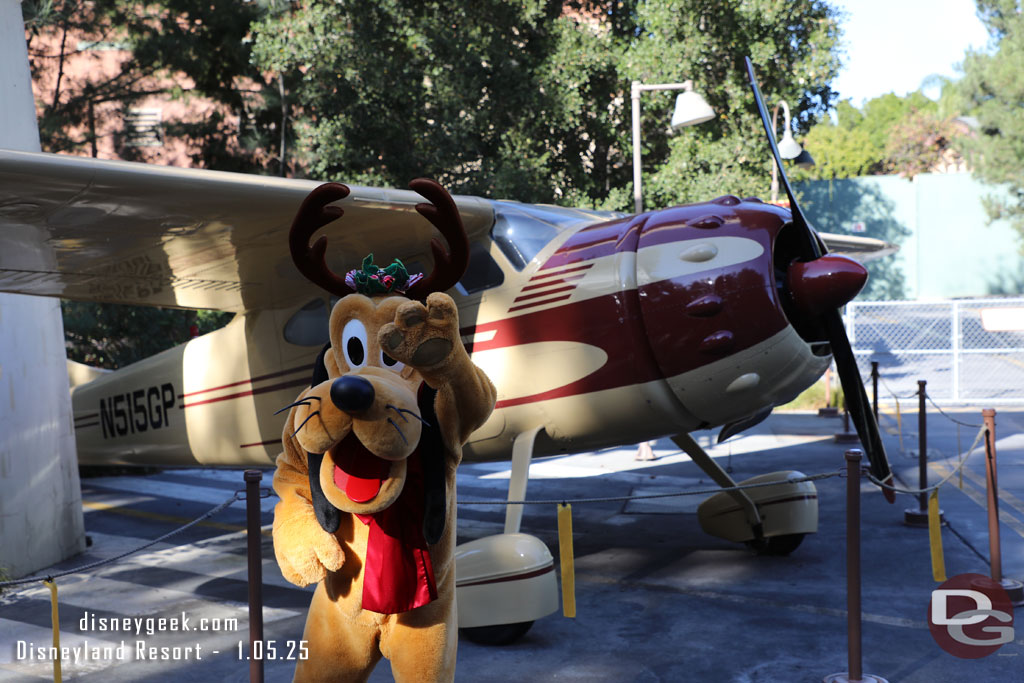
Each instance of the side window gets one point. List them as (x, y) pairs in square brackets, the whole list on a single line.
[(309, 325), (482, 273)]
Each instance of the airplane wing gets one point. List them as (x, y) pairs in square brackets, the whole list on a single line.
[(131, 233), (861, 248)]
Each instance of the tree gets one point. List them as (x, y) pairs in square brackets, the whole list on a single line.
[(92, 60), (530, 100), (905, 135), (992, 92), (112, 336)]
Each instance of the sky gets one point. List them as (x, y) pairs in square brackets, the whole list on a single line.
[(893, 45)]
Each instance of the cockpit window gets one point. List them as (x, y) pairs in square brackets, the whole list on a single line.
[(309, 326), (522, 230), (482, 273)]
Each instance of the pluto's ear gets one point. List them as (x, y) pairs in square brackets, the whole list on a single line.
[(328, 515), (432, 455)]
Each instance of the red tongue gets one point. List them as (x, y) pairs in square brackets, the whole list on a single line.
[(357, 471)]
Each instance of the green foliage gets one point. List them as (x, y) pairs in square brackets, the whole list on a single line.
[(840, 152), (813, 398), (905, 135), (993, 92), (530, 100), (112, 336)]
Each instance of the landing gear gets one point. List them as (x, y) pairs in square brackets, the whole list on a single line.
[(772, 520), (506, 581)]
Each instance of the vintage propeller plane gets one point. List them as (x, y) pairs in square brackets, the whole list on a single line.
[(597, 329)]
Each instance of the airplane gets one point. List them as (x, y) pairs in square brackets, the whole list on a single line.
[(598, 329)]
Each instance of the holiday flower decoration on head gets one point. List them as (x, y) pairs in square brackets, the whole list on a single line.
[(372, 280)]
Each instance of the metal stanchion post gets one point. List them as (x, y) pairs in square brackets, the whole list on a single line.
[(853, 565), (829, 410), (919, 517), (252, 523), (874, 387), (922, 445), (846, 436), (1013, 588)]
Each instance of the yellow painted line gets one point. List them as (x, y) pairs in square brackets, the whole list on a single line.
[(1004, 495), (143, 514), (979, 497), (1014, 361)]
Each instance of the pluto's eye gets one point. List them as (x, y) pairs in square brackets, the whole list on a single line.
[(353, 342), (390, 363)]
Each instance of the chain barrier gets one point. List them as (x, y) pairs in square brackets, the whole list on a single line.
[(951, 419), (916, 492), (237, 496), (696, 492)]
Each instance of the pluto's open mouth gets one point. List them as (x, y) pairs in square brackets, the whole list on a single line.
[(357, 471)]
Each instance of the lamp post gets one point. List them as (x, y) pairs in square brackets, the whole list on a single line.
[(788, 148), (690, 109)]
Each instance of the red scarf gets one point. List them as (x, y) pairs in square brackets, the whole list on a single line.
[(398, 575)]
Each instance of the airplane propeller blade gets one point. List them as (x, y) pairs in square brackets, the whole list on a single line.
[(831, 272), (813, 247)]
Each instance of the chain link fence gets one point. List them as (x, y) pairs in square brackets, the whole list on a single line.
[(968, 350)]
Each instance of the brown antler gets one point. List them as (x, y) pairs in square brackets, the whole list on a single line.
[(313, 215), (443, 214)]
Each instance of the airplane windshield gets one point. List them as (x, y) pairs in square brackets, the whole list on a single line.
[(522, 230)]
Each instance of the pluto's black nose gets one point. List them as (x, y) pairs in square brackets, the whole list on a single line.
[(352, 393)]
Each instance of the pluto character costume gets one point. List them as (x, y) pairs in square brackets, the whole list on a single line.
[(367, 476)]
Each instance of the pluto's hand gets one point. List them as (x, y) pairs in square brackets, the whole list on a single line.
[(305, 552), (423, 337)]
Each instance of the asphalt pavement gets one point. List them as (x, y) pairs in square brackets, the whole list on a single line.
[(657, 599)]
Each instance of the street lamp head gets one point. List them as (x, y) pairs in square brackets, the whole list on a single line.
[(691, 109), (804, 160), (788, 147)]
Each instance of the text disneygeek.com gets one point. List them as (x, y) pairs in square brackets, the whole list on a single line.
[(139, 648)]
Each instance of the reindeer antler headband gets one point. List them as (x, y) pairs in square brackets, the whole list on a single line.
[(449, 266)]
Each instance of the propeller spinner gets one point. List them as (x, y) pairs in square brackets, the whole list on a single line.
[(819, 283)]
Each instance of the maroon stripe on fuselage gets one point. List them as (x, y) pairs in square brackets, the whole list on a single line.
[(251, 380), (554, 281), (259, 443), (537, 295), (538, 304), (252, 392), (545, 276)]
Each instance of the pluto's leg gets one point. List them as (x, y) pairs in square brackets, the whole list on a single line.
[(421, 644), (341, 648)]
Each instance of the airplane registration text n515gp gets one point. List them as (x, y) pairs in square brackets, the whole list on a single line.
[(137, 411)]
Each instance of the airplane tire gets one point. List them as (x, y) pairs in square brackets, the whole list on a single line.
[(498, 634), (777, 546)]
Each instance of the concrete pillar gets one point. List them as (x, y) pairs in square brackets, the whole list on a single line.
[(40, 496)]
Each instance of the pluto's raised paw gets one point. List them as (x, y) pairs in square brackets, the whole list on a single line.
[(422, 336)]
